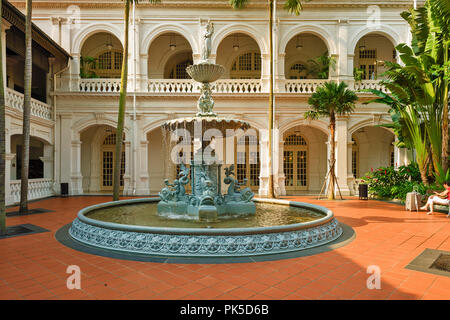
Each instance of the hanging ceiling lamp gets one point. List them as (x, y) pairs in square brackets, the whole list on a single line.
[(172, 44), (236, 43), (362, 45), (109, 44), (299, 45)]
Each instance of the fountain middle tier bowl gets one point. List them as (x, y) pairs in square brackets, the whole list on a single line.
[(205, 72), (135, 227), (205, 123)]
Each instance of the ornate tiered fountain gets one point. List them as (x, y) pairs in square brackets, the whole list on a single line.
[(206, 201), (204, 223)]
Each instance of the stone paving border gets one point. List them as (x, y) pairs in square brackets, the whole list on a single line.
[(424, 261)]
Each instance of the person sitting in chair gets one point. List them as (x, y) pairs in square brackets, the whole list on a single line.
[(442, 198)]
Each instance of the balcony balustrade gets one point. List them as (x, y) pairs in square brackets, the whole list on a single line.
[(15, 100)]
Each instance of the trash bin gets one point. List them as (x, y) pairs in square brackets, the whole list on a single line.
[(64, 189), (363, 192), (413, 201)]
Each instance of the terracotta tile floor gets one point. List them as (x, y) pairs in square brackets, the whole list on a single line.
[(34, 266)]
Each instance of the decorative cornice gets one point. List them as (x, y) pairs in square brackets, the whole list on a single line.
[(212, 3)]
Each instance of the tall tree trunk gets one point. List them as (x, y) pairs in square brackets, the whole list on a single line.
[(122, 106), (26, 111), (444, 155), (2, 141), (271, 193), (332, 156)]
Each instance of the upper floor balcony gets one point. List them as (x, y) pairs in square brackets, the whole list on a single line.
[(303, 63), (14, 102)]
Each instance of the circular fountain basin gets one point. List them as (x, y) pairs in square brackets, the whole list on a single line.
[(268, 232)]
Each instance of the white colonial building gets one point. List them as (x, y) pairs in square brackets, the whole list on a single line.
[(76, 96)]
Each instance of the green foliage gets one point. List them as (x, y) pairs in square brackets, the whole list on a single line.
[(320, 66), (389, 183), (358, 74), (331, 98), (86, 65)]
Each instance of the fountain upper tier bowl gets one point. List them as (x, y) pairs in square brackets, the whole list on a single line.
[(205, 72)]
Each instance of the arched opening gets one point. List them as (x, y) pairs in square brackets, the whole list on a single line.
[(36, 154), (241, 57), (304, 159), (169, 55), (372, 148), (97, 159), (307, 57), (371, 52), (101, 56)]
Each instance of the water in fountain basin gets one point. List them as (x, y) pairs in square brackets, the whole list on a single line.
[(267, 215)]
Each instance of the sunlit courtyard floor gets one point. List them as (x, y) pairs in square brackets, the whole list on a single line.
[(34, 266)]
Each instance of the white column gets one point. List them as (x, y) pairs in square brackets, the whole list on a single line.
[(264, 156), (96, 158), (143, 72), (396, 153), (8, 159), (281, 176), (76, 179), (342, 153), (64, 152), (342, 62), (70, 80), (265, 72), (47, 159), (143, 186), (127, 187)]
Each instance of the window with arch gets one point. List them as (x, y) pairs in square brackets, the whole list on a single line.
[(246, 66), (368, 63), (295, 162), (248, 165), (109, 64), (297, 71), (108, 156), (179, 70)]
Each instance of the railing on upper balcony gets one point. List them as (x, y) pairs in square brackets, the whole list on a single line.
[(14, 99), (190, 86), (37, 189), (369, 84), (99, 85), (222, 86), (301, 85)]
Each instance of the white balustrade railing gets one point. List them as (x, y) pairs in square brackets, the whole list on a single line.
[(302, 85), (99, 85), (14, 99), (369, 84), (37, 189), (190, 86), (172, 86), (232, 86), (237, 86)]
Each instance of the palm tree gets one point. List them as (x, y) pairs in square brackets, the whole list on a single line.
[(26, 111), (295, 7), (329, 100), (2, 142), (122, 100)]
